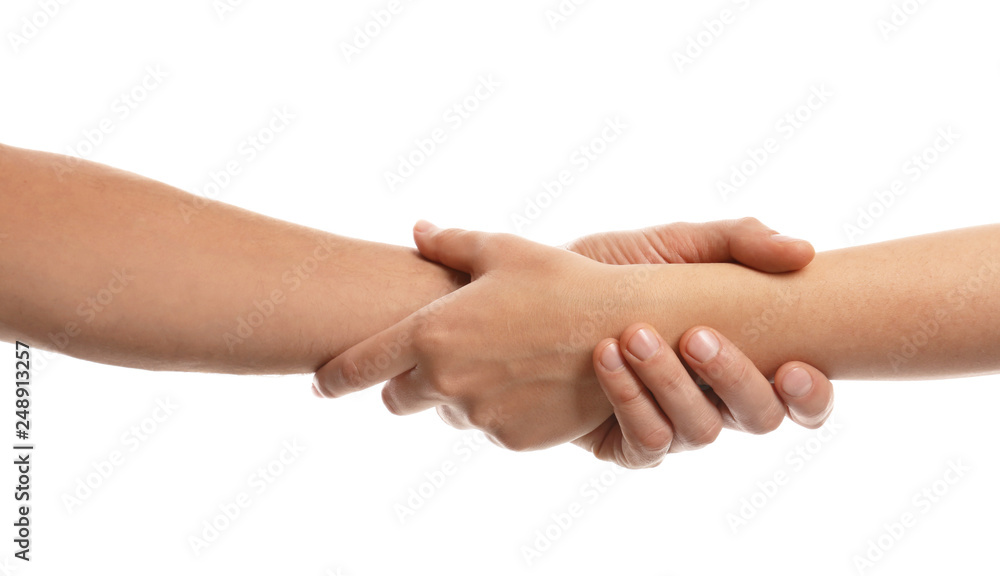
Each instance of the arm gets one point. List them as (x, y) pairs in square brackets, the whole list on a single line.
[(106, 265), (112, 267), (846, 314), (921, 307)]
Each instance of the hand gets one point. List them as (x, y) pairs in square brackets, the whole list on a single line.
[(496, 354), (660, 410), (644, 439), (747, 239)]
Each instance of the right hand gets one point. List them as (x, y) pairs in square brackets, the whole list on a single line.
[(659, 409)]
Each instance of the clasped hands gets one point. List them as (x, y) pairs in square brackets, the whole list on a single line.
[(548, 345)]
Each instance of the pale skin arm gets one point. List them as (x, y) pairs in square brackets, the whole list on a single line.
[(847, 313), (921, 307), (109, 266), (112, 267)]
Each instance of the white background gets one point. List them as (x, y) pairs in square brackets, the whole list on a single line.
[(333, 510)]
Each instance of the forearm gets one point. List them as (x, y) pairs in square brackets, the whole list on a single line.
[(921, 307), (112, 267)]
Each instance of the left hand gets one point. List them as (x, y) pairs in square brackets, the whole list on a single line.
[(496, 354)]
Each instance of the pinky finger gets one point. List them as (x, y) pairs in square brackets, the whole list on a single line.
[(646, 431), (806, 391)]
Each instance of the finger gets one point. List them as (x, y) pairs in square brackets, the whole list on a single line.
[(646, 432), (695, 419), (806, 391), (746, 241), (377, 359), (459, 249), (454, 417), (752, 401), (593, 441), (409, 393)]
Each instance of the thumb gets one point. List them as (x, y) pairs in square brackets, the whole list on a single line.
[(753, 244), (455, 248)]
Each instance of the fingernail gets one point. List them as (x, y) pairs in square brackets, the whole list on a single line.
[(782, 239), (703, 346), (315, 388), (643, 344), (611, 358), (797, 382), (423, 227)]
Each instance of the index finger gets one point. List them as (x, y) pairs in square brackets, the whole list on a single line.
[(378, 358)]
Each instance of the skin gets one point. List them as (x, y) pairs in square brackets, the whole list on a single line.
[(112, 267), (658, 409), (72, 228), (532, 317)]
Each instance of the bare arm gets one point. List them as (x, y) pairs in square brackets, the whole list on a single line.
[(109, 266), (847, 313), (920, 307)]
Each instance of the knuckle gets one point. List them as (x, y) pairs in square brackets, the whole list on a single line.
[(350, 379), (706, 433), (749, 222), (453, 417), (635, 463), (391, 400), (485, 420), (657, 441), (728, 372), (767, 423), (447, 388), (636, 458), (509, 440), (624, 394), (668, 378), (483, 245)]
